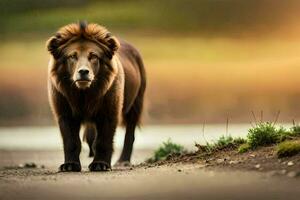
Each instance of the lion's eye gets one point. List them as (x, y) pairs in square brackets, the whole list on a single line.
[(93, 56), (73, 57)]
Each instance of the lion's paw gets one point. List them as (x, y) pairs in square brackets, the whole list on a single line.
[(70, 167), (97, 166)]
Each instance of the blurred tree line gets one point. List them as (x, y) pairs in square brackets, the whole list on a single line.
[(206, 17)]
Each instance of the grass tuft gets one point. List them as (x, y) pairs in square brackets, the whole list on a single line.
[(224, 142), (228, 142), (288, 148), (293, 133), (296, 130), (166, 149), (266, 133), (244, 148), (263, 134)]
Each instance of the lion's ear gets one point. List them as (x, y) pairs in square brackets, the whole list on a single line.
[(53, 44), (113, 44)]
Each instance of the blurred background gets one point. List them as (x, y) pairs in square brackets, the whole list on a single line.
[(206, 60)]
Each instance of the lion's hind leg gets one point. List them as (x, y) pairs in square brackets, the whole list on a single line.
[(89, 136)]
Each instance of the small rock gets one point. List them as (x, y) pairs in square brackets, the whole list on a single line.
[(293, 174), (179, 170), (219, 161), (234, 162), (227, 158), (29, 165), (290, 163), (252, 155), (257, 166), (283, 171), (21, 166)]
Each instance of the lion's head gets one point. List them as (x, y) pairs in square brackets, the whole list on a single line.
[(82, 54)]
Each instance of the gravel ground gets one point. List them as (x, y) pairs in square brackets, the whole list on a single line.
[(170, 181)]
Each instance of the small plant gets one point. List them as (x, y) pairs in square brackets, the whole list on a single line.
[(224, 142), (295, 130), (228, 142), (207, 148), (264, 133), (239, 140), (288, 148), (244, 148), (166, 149)]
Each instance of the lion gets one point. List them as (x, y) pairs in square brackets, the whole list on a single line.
[(95, 81)]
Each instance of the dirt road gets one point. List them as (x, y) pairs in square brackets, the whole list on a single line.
[(178, 181)]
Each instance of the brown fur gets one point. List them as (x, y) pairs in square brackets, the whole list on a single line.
[(113, 93)]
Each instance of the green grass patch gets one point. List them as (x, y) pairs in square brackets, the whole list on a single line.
[(294, 132), (166, 149), (224, 142), (244, 148), (288, 148), (265, 133), (228, 142)]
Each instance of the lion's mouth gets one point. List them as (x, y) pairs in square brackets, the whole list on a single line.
[(83, 80), (83, 83)]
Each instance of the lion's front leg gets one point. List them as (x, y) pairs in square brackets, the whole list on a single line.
[(72, 145), (103, 145)]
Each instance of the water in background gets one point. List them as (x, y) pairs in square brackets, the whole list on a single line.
[(148, 137), (43, 145)]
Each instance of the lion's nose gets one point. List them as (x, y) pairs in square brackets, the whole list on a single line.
[(83, 72)]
